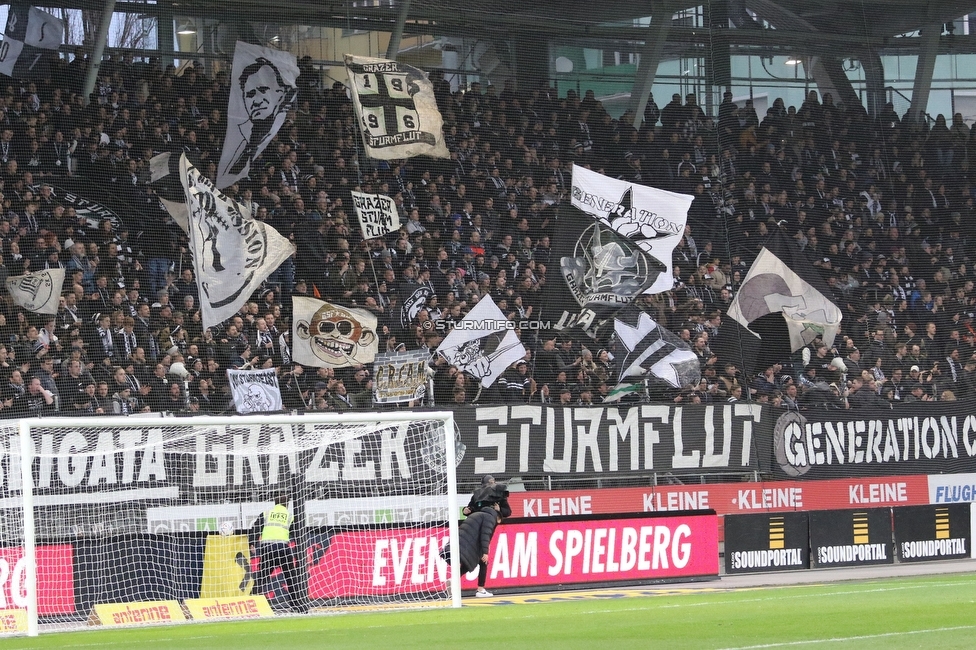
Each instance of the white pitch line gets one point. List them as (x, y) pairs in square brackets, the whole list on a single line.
[(862, 637)]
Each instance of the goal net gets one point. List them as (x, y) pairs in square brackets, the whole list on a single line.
[(126, 521)]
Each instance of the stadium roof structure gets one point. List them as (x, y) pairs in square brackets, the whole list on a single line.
[(823, 33), (773, 23)]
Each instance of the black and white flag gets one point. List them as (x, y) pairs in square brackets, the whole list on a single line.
[(332, 336), (263, 90), (255, 391), (410, 305), (631, 253), (377, 214), (164, 179), (482, 344), (396, 108), (232, 252), (650, 350), (38, 292), (28, 39), (781, 307)]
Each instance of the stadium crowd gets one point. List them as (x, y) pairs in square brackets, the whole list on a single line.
[(883, 207)]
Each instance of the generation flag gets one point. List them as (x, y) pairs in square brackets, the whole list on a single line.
[(332, 336), (377, 214), (29, 38), (647, 350), (38, 292), (263, 89), (481, 344), (255, 391), (396, 108), (781, 307), (631, 255), (232, 252)]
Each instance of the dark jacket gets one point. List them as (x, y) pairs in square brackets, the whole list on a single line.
[(487, 496), (474, 537)]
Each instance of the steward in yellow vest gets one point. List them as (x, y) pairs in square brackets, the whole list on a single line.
[(275, 551)]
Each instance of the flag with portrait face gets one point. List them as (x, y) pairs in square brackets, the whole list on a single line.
[(263, 89)]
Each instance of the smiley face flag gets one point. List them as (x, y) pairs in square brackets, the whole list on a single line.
[(332, 336)]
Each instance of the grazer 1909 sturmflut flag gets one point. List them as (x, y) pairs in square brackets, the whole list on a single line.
[(377, 214), (396, 108), (255, 391), (30, 36), (232, 253), (263, 89), (332, 336), (38, 292), (481, 345)]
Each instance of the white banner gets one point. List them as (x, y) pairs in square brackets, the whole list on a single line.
[(10, 50), (397, 111), (263, 90), (43, 30), (332, 336), (38, 292), (377, 214), (482, 344), (255, 391), (653, 219), (400, 377), (232, 253)]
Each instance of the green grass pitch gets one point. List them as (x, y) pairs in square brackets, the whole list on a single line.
[(928, 612)]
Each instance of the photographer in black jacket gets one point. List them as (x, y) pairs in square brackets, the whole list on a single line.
[(490, 495)]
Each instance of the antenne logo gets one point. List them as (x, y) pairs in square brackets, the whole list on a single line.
[(861, 535)]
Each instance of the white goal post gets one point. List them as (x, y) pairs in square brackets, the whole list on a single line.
[(149, 520)]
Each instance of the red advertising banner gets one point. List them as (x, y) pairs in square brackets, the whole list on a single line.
[(380, 562), (728, 498), (580, 550), (55, 582), (523, 553)]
